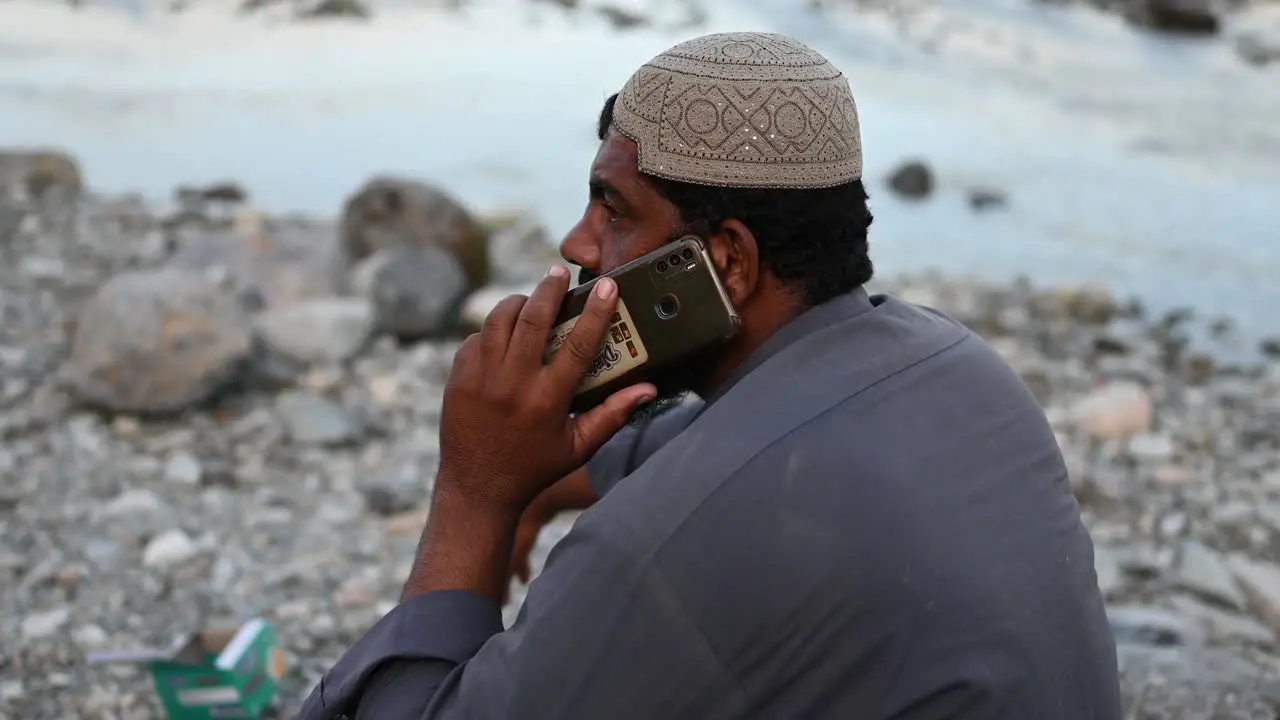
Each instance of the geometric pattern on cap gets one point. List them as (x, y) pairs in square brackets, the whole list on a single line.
[(757, 110)]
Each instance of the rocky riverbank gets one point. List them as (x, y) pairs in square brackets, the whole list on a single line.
[(210, 414)]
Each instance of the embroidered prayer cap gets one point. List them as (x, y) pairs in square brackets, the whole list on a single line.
[(756, 110)]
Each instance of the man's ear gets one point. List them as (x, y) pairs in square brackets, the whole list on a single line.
[(736, 258)]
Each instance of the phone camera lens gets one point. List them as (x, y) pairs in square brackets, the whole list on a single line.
[(674, 260), (688, 254), (667, 307), (662, 266)]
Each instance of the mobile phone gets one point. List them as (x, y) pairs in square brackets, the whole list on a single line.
[(671, 305)]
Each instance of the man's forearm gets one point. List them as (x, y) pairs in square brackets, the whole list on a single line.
[(465, 546)]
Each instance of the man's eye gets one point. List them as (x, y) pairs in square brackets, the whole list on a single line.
[(614, 215)]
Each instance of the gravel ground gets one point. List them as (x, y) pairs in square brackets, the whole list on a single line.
[(173, 457)]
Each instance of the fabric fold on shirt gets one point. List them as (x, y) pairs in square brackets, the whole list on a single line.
[(449, 625)]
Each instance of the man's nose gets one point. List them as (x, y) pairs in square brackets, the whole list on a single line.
[(582, 248)]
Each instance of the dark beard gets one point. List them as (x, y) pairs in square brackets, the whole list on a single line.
[(675, 385), (652, 409)]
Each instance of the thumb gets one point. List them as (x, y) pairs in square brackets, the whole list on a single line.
[(594, 428)]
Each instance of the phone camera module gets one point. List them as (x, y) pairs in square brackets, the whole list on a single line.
[(661, 266), (687, 255), (667, 307)]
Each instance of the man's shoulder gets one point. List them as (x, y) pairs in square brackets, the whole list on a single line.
[(858, 398), (812, 396)]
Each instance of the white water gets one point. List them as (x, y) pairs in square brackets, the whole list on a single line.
[(1147, 164)]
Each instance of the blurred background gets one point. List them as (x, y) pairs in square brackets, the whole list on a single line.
[(240, 239)]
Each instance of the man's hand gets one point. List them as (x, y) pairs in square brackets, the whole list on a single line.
[(505, 432), (570, 493), (527, 532)]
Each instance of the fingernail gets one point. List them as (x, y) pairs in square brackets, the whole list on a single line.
[(558, 271), (605, 288)]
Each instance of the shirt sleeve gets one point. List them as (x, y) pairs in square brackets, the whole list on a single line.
[(421, 640), (401, 689), (601, 634), (627, 450)]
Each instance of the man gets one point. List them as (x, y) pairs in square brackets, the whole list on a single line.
[(868, 517)]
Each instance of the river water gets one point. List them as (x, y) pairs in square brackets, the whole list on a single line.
[(1146, 164)]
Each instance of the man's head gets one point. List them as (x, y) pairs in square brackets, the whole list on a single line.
[(751, 142)]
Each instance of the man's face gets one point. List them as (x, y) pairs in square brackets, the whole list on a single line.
[(625, 218)]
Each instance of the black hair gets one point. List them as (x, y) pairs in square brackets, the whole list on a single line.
[(813, 241)]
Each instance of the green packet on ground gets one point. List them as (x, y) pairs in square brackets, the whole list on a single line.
[(213, 673)]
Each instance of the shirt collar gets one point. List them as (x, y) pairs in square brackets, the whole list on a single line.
[(842, 307)]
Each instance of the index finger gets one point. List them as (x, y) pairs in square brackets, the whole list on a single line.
[(583, 343)]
